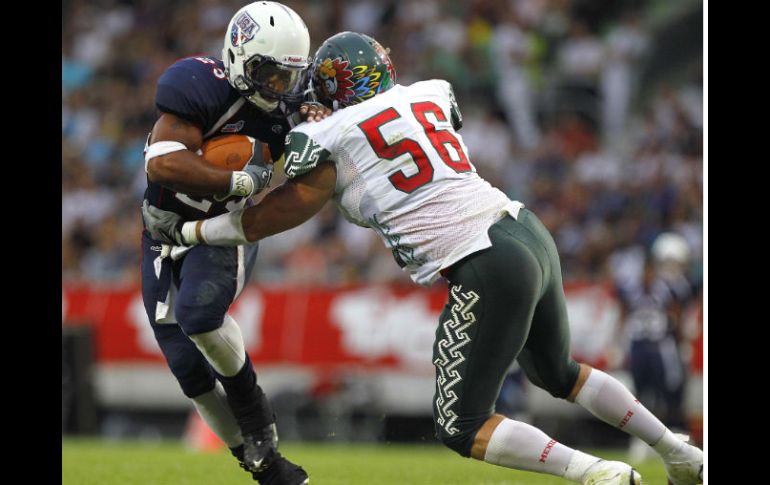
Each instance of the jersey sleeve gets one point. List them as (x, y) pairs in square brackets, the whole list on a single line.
[(454, 108), (305, 149), (448, 99), (192, 89)]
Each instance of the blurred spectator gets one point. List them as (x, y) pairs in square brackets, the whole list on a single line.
[(579, 62), (84, 203), (487, 137), (511, 50), (625, 45)]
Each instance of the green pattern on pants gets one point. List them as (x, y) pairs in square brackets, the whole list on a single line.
[(505, 302)]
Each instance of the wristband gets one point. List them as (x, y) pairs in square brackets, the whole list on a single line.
[(241, 184), (191, 233)]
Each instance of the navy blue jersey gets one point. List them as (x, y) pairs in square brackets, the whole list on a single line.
[(647, 309), (197, 90)]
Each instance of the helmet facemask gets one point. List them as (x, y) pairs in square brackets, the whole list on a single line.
[(266, 81)]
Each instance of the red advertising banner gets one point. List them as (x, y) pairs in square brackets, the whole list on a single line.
[(367, 326), (373, 326)]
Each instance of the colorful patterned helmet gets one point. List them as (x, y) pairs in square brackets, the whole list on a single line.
[(349, 68)]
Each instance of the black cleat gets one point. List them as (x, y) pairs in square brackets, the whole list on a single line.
[(259, 449), (279, 471)]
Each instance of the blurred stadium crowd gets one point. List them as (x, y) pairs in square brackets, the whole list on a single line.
[(560, 111)]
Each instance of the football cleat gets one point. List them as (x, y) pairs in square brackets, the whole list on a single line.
[(280, 471), (611, 473), (259, 448), (685, 466)]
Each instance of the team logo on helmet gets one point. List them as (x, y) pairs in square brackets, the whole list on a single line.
[(370, 81), (334, 79), (248, 28)]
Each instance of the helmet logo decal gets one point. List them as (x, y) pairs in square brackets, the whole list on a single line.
[(350, 68), (334, 77), (369, 81), (298, 61), (248, 29)]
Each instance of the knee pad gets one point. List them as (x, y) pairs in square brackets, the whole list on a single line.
[(459, 435), (223, 347)]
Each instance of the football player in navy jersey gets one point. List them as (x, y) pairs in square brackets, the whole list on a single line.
[(187, 291)]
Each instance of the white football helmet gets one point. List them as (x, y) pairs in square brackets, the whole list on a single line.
[(671, 247), (266, 53)]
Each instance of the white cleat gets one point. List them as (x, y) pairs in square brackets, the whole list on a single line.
[(685, 466), (611, 473)]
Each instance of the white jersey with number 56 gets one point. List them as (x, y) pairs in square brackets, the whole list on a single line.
[(403, 170)]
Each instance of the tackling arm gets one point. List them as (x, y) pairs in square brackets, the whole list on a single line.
[(288, 206)]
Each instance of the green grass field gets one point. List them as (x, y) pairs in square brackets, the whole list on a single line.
[(93, 462)]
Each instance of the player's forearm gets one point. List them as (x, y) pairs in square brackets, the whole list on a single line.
[(186, 172), (286, 207), (282, 209), (222, 230), (278, 212)]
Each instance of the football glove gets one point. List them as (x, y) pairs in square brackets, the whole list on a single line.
[(164, 226)]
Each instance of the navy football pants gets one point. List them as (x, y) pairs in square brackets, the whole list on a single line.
[(207, 280)]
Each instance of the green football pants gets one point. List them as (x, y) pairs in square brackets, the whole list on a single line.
[(506, 302)]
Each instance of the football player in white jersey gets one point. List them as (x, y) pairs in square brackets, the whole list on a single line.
[(391, 159)]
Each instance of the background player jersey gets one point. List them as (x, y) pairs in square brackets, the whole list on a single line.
[(403, 170), (648, 308), (196, 89)]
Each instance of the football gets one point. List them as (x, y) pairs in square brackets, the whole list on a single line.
[(231, 152)]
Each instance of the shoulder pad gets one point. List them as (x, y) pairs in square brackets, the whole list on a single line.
[(196, 89)]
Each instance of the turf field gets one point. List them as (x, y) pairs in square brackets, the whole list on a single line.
[(91, 462)]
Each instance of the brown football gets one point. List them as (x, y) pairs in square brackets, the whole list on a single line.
[(231, 152)]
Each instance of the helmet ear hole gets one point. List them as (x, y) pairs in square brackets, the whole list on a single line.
[(272, 22), (231, 55)]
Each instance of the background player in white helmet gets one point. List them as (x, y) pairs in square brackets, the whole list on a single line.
[(187, 291), (392, 160), (654, 328)]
